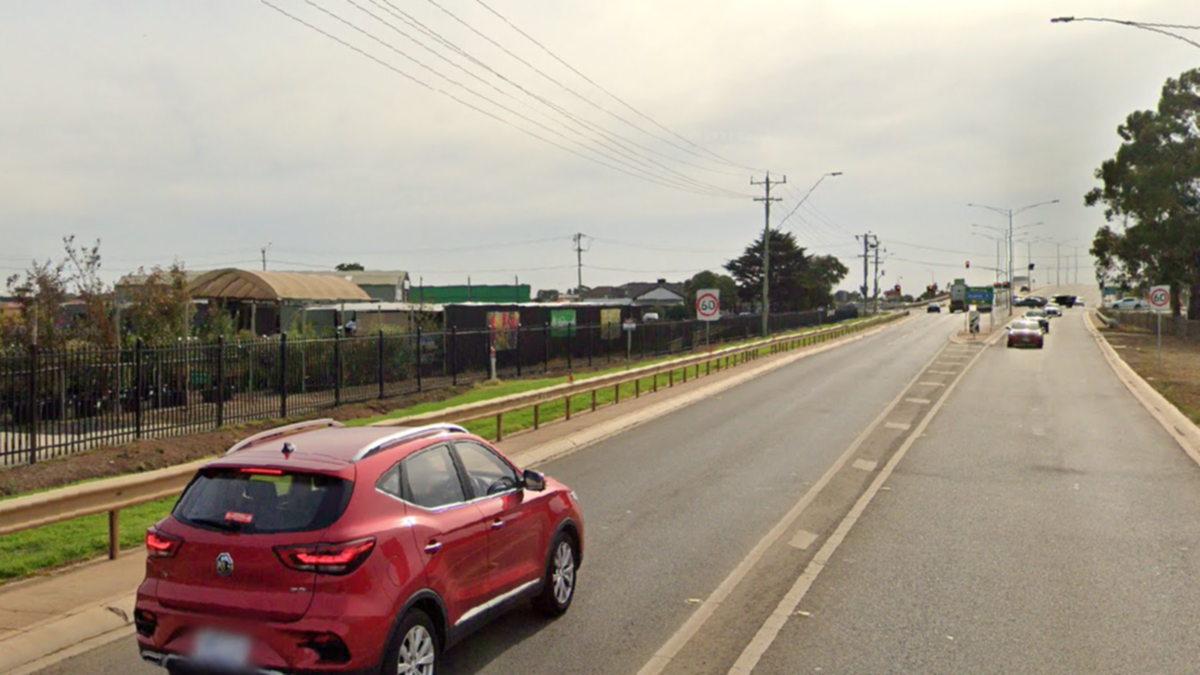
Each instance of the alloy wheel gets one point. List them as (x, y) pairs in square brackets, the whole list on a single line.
[(416, 653), (564, 572)]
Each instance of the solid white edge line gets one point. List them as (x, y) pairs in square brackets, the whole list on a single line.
[(663, 655), (770, 629)]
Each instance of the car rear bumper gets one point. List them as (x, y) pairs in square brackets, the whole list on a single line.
[(185, 665), (278, 647)]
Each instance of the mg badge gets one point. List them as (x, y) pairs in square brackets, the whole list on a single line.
[(224, 564)]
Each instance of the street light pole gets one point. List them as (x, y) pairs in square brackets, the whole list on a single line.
[(1010, 212), (767, 199)]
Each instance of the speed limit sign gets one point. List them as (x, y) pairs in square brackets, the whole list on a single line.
[(708, 304), (1160, 298)]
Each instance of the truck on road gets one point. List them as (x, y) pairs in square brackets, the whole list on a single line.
[(958, 296)]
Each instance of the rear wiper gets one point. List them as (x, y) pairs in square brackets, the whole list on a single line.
[(226, 525)]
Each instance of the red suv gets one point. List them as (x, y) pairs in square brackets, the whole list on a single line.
[(318, 548)]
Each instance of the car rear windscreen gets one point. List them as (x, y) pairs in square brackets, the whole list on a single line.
[(256, 501)]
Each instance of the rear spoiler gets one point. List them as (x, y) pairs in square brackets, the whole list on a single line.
[(280, 432)]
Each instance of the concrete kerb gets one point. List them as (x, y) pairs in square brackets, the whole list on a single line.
[(28, 650), (1178, 425)]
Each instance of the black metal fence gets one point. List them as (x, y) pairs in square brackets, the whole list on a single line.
[(54, 404)]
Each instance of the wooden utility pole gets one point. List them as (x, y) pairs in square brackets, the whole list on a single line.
[(766, 199)]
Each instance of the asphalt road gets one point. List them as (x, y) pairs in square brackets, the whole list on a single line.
[(1040, 523), (1045, 524), (673, 505)]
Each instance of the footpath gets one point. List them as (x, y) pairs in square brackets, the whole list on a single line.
[(47, 619)]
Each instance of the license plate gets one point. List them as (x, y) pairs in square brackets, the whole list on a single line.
[(226, 650)]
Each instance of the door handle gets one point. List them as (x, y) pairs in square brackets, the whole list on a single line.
[(497, 524), (433, 547)]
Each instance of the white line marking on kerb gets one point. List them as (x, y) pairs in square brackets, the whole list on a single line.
[(662, 657), (774, 623), (931, 384), (898, 425), (919, 401)]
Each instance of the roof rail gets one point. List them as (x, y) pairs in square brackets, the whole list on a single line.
[(280, 432), (406, 435)]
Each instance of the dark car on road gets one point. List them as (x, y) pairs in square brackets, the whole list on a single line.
[(1026, 333), (1066, 300), (318, 548)]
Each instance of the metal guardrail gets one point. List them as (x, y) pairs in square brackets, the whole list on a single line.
[(111, 495)]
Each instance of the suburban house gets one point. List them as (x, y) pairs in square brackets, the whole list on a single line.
[(657, 294)]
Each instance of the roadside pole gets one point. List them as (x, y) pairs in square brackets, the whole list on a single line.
[(1160, 301), (708, 309)]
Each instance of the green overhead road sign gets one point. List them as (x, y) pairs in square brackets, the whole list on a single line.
[(980, 295)]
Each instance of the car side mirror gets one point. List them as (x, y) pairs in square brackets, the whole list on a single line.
[(534, 480)]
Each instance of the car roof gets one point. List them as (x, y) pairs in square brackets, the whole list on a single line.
[(333, 445)]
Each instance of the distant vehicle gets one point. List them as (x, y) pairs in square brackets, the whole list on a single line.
[(934, 308), (1067, 300), (1053, 310), (649, 316), (1041, 317), (1024, 289), (317, 548), (1129, 304), (958, 296), (1023, 333)]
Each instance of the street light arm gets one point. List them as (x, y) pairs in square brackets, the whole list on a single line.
[(997, 209), (806, 196), (1031, 206), (1159, 28)]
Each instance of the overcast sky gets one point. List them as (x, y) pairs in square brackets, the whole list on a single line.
[(204, 131)]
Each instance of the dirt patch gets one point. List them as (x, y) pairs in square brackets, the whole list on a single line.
[(1178, 379), (159, 453)]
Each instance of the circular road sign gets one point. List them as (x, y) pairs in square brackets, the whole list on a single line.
[(708, 306), (1160, 297)]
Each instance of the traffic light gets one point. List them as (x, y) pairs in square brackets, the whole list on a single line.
[(968, 264), (1030, 267), (897, 288)]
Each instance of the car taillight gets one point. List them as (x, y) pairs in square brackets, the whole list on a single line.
[(327, 558), (160, 545)]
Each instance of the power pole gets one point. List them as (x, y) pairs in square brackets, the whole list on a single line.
[(766, 199), (875, 295), (579, 249), (868, 241), (264, 255)]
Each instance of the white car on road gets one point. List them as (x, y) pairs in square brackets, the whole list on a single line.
[(1129, 303)]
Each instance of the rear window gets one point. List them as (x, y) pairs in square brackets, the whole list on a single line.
[(263, 503)]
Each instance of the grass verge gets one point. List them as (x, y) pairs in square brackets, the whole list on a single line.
[(489, 391), (1178, 380), (31, 552)]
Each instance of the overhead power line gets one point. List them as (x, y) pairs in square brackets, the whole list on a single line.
[(616, 98), (556, 82), (470, 105), (611, 142)]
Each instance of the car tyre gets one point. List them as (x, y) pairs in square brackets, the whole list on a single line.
[(558, 585), (414, 646)]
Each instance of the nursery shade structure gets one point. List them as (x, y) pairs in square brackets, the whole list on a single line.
[(254, 288), (249, 285)]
